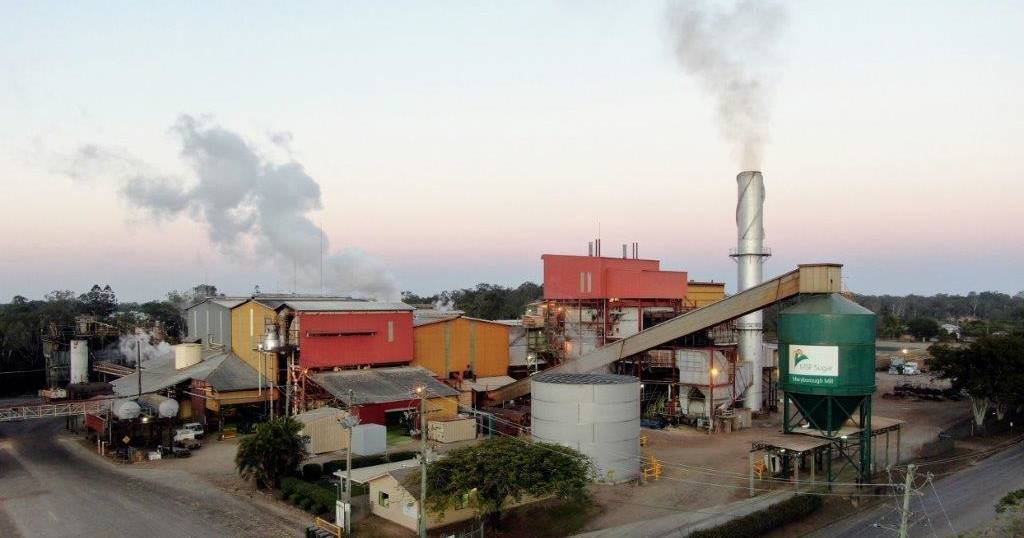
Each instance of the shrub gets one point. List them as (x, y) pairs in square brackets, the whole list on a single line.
[(760, 522), (312, 471), (289, 485), (319, 497), (1010, 500), (333, 465)]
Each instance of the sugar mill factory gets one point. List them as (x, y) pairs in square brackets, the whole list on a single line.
[(617, 347)]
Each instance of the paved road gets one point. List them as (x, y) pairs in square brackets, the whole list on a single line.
[(50, 486), (968, 497)]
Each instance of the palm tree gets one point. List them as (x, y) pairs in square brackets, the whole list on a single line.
[(275, 450)]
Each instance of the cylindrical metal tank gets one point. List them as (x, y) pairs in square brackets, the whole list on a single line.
[(163, 406), (827, 352), (596, 414), (125, 409), (186, 355), (79, 361)]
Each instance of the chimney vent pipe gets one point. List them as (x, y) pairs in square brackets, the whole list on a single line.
[(590, 248), (750, 254)]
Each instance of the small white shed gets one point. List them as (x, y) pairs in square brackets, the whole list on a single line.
[(323, 429), (369, 439)]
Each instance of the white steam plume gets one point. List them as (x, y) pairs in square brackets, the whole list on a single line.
[(141, 344), (251, 205), (731, 53)]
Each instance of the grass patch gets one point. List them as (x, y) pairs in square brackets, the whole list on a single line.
[(760, 522), (546, 519), (395, 436)]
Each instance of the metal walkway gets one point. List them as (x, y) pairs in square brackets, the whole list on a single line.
[(45, 410), (810, 278)]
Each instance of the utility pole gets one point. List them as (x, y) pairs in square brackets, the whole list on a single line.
[(348, 455), (906, 499), (138, 365), (422, 523)]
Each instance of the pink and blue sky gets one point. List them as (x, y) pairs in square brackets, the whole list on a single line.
[(458, 141)]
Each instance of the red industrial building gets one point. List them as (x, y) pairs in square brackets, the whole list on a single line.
[(590, 301), (343, 334)]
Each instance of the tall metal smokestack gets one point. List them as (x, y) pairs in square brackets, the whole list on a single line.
[(749, 255)]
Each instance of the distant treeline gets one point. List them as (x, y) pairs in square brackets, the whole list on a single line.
[(24, 322), (485, 301)]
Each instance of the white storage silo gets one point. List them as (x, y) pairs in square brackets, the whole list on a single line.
[(186, 355), (79, 361), (596, 414)]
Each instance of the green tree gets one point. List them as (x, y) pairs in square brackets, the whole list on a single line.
[(501, 470), (990, 370), (274, 451), (923, 328), (890, 326), (99, 301)]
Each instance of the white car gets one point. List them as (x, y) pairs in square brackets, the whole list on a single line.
[(196, 428)]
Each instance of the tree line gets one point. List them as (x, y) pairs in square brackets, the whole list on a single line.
[(484, 301), (24, 322), (977, 314)]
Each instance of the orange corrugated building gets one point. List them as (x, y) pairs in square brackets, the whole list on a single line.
[(701, 294), (459, 344)]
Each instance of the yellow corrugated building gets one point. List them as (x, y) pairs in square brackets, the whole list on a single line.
[(459, 344), (247, 328), (701, 294)]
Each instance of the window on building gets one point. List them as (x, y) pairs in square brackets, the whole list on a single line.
[(391, 330), (383, 500), (590, 282), (583, 282)]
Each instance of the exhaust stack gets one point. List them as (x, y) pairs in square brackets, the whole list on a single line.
[(750, 254)]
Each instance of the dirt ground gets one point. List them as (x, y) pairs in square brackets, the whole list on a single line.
[(702, 470), (215, 463)]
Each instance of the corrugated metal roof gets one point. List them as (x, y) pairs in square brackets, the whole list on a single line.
[(227, 302), (417, 322), (571, 378), (321, 412), (382, 385), (223, 371), (483, 384), (345, 306)]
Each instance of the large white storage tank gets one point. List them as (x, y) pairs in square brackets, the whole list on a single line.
[(79, 361), (596, 414), (163, 406), (125, 409), (186, 355)]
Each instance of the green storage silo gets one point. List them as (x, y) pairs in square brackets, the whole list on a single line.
[(827, 365)]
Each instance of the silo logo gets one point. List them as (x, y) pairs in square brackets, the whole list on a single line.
[(813, 364)]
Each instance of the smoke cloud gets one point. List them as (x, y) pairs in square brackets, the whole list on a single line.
[(731, 53), (252, 206)]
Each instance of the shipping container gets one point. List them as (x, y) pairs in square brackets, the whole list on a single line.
[(452, 429), (323, 429)]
